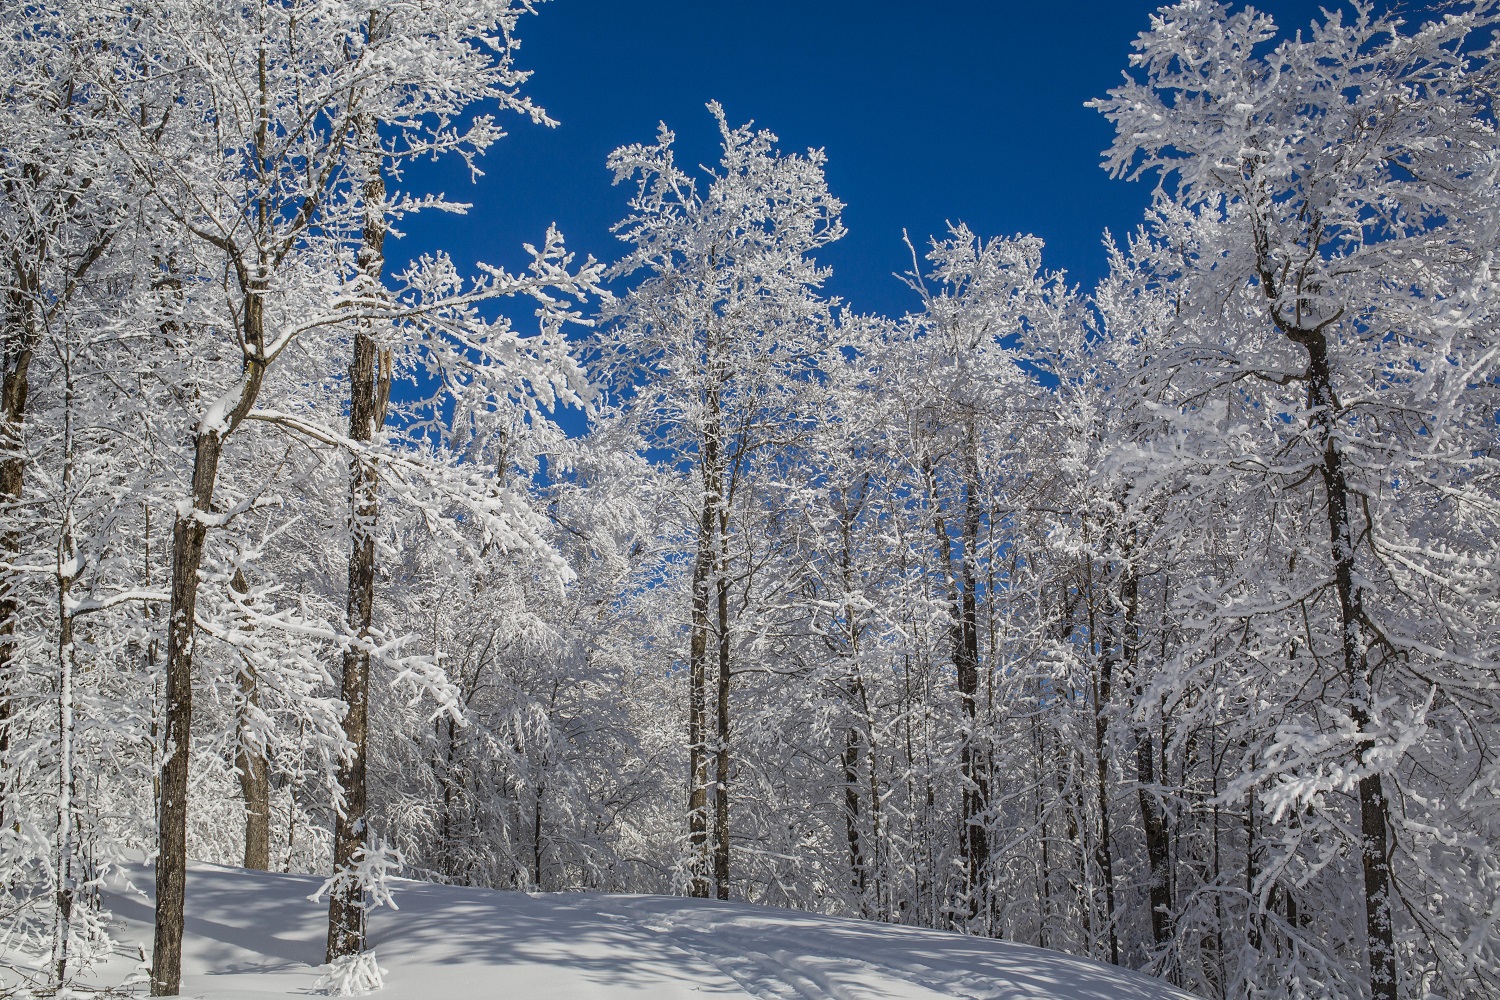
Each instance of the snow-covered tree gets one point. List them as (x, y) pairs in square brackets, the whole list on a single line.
[(1335, 229), (717, 346)]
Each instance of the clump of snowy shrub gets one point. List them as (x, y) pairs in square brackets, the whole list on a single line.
[(351, 976)]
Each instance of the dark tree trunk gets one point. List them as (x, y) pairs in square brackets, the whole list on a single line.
[(705, 564), (536, 837), (66, 893), (972, 758), (188, 534), (1253, 920), (865, 868), (1103, 850), (1039, 818), (698, 707), (857, 876), (1373, 807), (255, 778), (448, 730), (346, 911), (369, 393), (1154, 822), (255, 787), (1153, 816), (1212, 943), (1083, 906), (877, 821), (1059, 759), (19, 345), (973, 837), (721, 733)]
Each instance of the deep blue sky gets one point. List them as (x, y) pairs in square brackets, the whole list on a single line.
[(931, 111)]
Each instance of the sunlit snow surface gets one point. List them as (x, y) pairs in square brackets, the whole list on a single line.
[(250, 935)]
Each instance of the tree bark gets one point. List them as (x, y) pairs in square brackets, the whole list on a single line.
[(188, 534), (721, 732), (20, 345), (536, 833), (1153, 816), (1039, 818), (973, 836), (447, 730), (857, 875), (878, 853), (1254, 921), (1373, 807), (1153, 821), (976, 838), (254, 773), (1103, 851), (369, 394), (68, 571), (704, 565), (64, 895), (698, 710), (858, 862), (866, 865)]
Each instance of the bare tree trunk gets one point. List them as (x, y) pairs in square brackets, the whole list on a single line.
[(536, 832), (972, 757), (857, 876), (1153, 820), (1373, 807), (188, 534), (1103, 852), (867, 865), (1059, 760), (917, 822), (1153, 817), (1253, 920), (1214, 973), (1039, 817), (346, 925), (705, 563), (877, 820), (973, 838), (254, 773), (64, 895), (721, 730), (1083, 904), (450, 859), (698, 709), (19, 345), (67, 574), (859, 862), (369, 394)]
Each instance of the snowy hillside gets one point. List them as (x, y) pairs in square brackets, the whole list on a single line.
[(251, 935)]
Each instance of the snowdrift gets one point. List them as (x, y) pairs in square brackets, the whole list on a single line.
[(251, 935)]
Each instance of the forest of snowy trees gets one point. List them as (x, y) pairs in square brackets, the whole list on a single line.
[(1157, 622)]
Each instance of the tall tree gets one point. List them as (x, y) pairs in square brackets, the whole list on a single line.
[(1319, 173), (454, 76), (719, 339)]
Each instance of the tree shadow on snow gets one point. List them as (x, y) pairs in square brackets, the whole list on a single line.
[(450, 941)]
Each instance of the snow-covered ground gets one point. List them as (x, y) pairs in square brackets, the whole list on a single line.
[(250, 935)]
